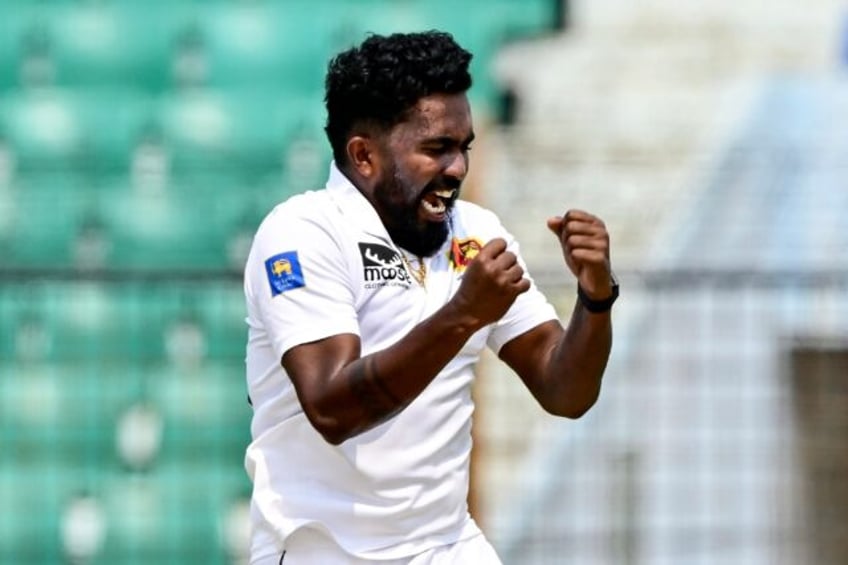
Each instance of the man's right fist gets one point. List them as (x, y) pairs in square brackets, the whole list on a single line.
[(491, 283)]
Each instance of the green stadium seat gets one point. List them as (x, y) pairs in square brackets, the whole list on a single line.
[(46, 213), (220, 310), (34, 499), (42, 128), (32, 402), (245, 129), (117, 42), (274, 44), (206, 414), (18, 19), (150, 229), (174, 514), (115, 120), (182, 227)]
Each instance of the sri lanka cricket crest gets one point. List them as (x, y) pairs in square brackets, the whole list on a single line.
[(463, 251)]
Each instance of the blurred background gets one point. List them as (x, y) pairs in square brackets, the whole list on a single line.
[(142, 142)]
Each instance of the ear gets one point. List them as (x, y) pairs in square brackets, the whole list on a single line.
[(362, 155)]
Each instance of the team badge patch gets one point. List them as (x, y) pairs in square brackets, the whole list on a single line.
[(463, 251), (284, 272)]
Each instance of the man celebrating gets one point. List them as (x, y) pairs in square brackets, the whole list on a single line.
[(368, 304)]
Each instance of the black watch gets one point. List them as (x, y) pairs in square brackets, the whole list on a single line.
[(598, 306)]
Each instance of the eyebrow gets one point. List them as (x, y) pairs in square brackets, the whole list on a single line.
[(447, 140)]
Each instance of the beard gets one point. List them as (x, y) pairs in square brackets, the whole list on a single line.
[(400, 214)]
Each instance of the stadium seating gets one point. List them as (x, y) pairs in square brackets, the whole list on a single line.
[(206, 76), (83, 359)]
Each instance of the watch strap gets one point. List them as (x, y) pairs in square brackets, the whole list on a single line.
[(598, 306)]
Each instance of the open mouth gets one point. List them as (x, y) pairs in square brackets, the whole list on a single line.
[(435, 203)]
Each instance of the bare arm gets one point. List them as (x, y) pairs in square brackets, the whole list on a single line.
[(563, 368), (344, 394)]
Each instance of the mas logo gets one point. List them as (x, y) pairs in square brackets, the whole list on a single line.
[(284, 272), (463, 251), (382, 266)]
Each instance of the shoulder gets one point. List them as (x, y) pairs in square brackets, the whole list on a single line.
[(305, 225), (310, 205), (298, 215)]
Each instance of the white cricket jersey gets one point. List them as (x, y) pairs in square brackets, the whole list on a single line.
[(322, 264)]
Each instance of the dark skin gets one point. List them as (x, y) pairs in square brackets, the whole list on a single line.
[(344, 394)]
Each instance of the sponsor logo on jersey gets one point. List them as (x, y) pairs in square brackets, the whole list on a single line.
[(284, 272), (463, 251), (382, 266)]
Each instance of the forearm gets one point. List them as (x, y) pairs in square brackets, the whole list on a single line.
[(371, 389), (344, 394), (577, 362)]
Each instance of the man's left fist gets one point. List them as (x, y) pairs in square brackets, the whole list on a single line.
[(585, 246)]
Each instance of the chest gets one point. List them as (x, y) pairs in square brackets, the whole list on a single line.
[(395, 292)]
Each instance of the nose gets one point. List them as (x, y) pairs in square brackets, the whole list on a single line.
[(457, 167)]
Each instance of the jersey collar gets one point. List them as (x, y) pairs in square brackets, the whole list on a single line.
[(353, 205)]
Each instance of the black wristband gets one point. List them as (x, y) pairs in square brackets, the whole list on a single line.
[(598, 306)]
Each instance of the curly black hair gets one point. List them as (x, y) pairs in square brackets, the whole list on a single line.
[(379, 81)]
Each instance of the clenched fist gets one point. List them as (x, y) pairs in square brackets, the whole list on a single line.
[(492, 282), (586, 249)]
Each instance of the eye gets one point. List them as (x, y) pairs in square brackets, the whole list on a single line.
[(435, 149)]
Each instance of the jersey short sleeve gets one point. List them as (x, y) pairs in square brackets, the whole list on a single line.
[(297, 279)]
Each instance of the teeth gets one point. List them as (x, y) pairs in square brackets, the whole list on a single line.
[(437, 208), (445, 193)]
